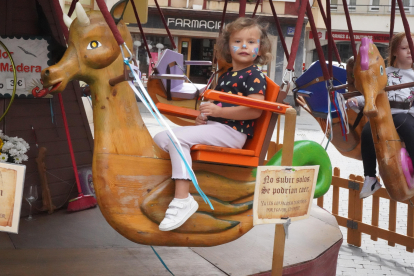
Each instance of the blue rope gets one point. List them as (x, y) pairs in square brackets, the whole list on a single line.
[(159, 258), (187, 166)]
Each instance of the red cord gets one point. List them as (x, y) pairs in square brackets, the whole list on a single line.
[(72, 156)]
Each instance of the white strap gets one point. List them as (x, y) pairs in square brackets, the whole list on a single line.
[(171, 212), (176, 204)]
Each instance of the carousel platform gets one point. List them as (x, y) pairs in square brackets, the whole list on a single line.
[(83, 243)]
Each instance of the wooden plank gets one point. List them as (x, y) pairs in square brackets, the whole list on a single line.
[(54, 20), (392, 219), (341, 220), (355, 212), (287, 157), (375, 213), (335, 194), (49, 135), (63, 176), (340, 182), (358, 211), (3, 17), (351, 235), (9, 17), (61, 147), (42, 122), (289, 137), (26, 15), (41, 108), (62, 161), (278, 250), (335, 200), (410, 225), (386, 234), (25, 4), (320, 201)]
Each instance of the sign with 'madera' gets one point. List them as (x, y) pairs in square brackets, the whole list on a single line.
[(283, 192), (30, 56)]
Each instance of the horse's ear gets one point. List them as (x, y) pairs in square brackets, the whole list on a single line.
[(118, 10)]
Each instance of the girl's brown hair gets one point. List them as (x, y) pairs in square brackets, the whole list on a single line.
[(223, 48), (394, 43)]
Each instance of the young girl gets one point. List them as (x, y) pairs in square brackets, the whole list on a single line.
[(399, 70), (243, 43)]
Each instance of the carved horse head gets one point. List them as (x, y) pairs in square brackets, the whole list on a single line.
[(370, 76), (92, 49)]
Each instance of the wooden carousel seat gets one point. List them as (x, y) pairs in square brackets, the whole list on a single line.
[(169, 69), (255, 149)]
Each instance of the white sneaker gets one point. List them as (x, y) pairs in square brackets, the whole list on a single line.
[(178, 212), (371, 185)]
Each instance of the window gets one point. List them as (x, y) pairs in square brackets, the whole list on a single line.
[(334, 5), (351, 5), (374, 5), (407, 6)]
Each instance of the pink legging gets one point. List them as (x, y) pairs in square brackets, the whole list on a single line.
[(212, 134)]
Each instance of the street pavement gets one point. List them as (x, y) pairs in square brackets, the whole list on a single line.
[(373, 257)]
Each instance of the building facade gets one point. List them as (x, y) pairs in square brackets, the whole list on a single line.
[(195, 27), (369, 18)]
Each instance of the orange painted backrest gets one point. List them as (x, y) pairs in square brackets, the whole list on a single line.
[(262, 123)]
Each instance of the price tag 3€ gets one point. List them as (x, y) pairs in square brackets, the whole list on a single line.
[(20, 83)]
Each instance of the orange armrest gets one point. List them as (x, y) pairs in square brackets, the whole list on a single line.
[(246, 101), (182, 112)]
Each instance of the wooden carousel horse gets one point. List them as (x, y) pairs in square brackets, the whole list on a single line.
[(131, 175), (370, 80)]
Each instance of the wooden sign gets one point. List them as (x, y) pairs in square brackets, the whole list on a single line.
[(11, 193), (30, 56), (283, 192)]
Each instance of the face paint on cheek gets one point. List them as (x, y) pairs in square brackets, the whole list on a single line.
[(255, 52), (235, 48)]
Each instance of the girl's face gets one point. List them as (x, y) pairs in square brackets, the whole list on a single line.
[(403, 55), (244, 47)]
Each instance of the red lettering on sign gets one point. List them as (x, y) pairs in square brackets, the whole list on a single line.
[(4, 67), (26, 68)]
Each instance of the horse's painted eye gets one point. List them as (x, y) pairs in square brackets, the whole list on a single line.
[(381, 70), (94, 44)]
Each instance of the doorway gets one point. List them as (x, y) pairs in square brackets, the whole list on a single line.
[(197, 49)]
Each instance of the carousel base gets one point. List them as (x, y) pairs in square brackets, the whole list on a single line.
[(312, 248)]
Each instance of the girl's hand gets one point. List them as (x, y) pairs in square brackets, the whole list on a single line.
[(201, 120), (210, 109), (352, 102)]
